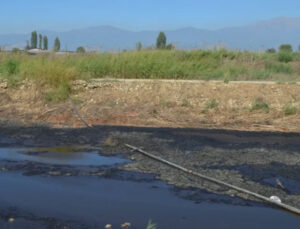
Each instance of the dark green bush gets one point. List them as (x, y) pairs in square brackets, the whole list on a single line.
[(80, 49), (278, 67), (285, 56), (10, 67), (61, 93), (271, 50), (285, 48)]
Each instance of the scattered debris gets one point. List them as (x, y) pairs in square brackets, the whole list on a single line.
[(125, 225)]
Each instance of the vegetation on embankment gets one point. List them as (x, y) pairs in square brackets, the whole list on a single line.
[(57, 71), (161, 103)]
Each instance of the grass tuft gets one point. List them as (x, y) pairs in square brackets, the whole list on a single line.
[(260, 104), (110, 142), (151, 225), (290, 109), (211, 104), (61, 93)]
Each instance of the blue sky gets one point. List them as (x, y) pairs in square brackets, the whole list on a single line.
[(21, 16)]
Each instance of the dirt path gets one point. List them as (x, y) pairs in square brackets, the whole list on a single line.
[(255, 106)]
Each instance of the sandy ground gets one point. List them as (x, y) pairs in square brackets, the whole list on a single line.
[(192, 104)]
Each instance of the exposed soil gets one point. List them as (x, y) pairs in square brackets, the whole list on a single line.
[(192, 104)]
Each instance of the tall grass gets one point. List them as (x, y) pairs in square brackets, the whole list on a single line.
[(53, 71)]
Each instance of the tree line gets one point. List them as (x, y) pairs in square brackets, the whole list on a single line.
[(161, 43), (41, 42), (285, 52)]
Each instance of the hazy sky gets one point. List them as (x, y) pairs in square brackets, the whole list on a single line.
[(19, 16)]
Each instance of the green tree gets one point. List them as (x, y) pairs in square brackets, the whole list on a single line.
[(45, 43), (40, 41), (285, 48), (161, 41), (56, 47), (34, 40), (139, 46), (271, 50), (80, 49)]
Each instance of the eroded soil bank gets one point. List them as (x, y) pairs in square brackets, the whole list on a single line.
[(258, 106), (252, 160)]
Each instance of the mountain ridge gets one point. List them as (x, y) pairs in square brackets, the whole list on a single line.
[(255, 36)]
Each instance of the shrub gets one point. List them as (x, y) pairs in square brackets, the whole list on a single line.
[(211, 104), (60, 93), (80, 49), (278, 67), (285, 56), (290, 109), (10, 67), (260, 75), (285, 48), (260, 105)]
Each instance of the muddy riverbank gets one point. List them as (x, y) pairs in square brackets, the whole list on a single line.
[(94, 165)]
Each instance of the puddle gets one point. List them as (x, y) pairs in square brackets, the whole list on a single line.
[(94, 202), (60, 156), (270, 174), (86, 202), (291, 186)]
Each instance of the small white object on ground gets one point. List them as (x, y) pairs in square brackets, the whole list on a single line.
[(275, 199), (108, 226), (11, 220)]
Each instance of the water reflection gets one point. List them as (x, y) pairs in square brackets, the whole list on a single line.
[(67, 155)]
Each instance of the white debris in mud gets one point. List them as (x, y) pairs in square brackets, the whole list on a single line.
[(275, 199)]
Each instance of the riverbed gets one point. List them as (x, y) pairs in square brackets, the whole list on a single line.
[(80, 178)]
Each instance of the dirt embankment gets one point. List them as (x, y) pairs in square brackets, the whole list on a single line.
[(197, 104)]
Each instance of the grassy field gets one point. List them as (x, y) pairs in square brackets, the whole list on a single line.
[(56, 72)]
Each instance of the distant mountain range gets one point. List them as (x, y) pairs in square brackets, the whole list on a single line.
[(257, 36)]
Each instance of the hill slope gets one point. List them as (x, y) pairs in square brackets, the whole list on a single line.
[(256, 36)]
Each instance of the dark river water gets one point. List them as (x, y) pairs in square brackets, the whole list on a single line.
[(43, 201)]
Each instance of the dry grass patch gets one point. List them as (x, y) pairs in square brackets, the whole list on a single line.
[(109, 142)]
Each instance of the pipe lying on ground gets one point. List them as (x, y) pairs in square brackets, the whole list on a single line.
[(216, 181), (271, 201), (78, 113)]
